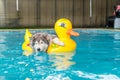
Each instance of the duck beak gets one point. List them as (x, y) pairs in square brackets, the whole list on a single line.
[(73, 33)]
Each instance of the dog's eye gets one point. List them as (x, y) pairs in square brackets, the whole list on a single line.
[(41, 42)]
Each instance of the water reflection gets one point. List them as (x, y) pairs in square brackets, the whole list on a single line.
[(62, 61), (3, 46), (27, 53), (117, 36), (2, 78)]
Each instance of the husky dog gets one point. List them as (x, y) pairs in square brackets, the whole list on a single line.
[(41, 41)]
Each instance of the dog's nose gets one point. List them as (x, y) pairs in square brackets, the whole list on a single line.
[(38, 49)]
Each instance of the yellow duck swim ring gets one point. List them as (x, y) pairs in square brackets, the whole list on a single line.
[(63, 29), (26, 43)]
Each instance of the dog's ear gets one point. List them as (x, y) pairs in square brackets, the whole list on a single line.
[(32, 40), (46, 36)]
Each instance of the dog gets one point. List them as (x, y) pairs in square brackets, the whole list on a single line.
[(40, 41)]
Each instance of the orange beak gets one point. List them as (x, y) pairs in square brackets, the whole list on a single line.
[(73, 33)]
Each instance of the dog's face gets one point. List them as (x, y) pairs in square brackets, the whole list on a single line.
[(39, 42)]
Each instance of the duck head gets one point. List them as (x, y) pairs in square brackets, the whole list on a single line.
[(63, 28)]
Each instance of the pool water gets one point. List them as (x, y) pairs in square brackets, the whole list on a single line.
[(97, 57)]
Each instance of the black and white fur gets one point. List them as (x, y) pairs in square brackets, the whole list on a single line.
[(41, 41)]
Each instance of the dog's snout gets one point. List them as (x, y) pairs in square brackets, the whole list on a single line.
[(38, 49)]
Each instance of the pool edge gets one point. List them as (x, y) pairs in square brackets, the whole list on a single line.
[(53, 29)]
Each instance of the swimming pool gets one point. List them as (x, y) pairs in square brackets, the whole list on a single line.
[(97, 57)]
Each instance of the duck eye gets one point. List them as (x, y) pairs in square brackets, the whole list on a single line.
[(63, 24)]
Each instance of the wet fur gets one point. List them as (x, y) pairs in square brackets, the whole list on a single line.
[(41, 41)]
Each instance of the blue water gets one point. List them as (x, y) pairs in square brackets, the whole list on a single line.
[(97, 57)]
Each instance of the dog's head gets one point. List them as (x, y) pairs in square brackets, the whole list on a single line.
[(39, 42)]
